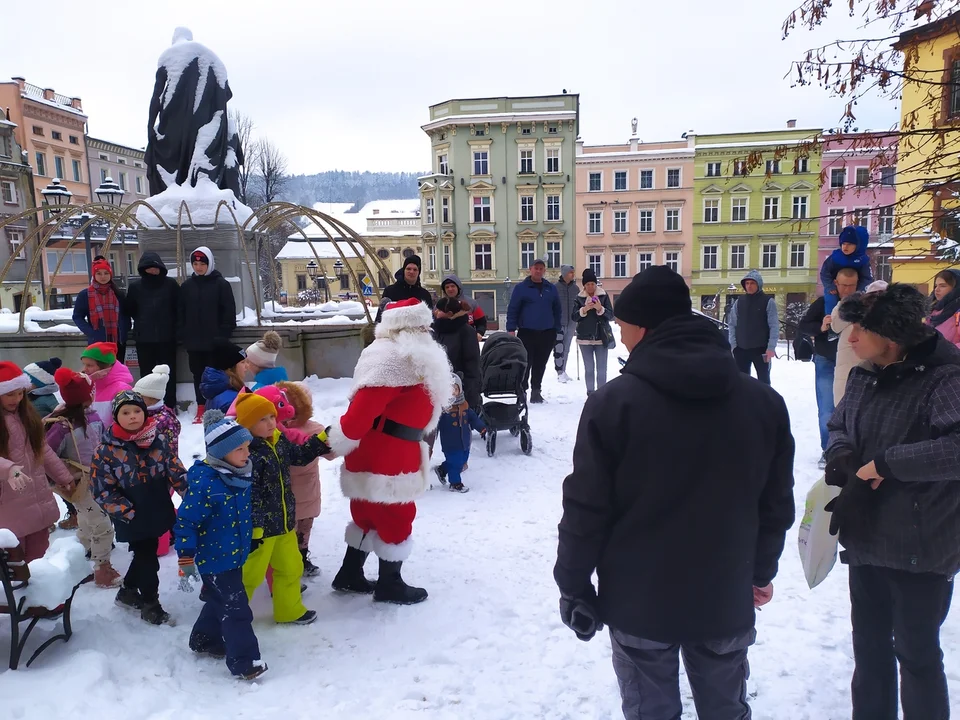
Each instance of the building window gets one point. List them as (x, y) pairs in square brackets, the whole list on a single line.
[(16, 245), (139, 181), (673, 177), (738, 209), (711, 211), (445, 210), (955, 89), (644, 261), (4, 146), (528, 252), (104, 156), (835, 223), (885, 220), (861, 217), (773, 167), (526, 208), (552, 130), (771, 208), (344, 280), (526, 131), (595, 263), (74, 140), (442, 167), (863, 176), (481, 162), (103, 175), (479, 132), (301, 282), (122, 181), (711, 254), (594, 223), (739, 167), (483, 256), (430, 212), (553, 161), (9, 191), (713, 169), (646, 221), (620, 221), (38, 130), (838, 178), (553, 208), (769, 256), (888, 176), (59, 166), (383, 253), (553, 254), (41, 164), (672, 260), (121, 160), (447, 253), (481, 209), (620, 265), (526, 162), (646, 179), (74, 262), (56, 135), (801, 165), (798, 255), (432, 258), (620, 180), (77, 174), (738, 257), (596, 184), (673, 220), (800, 207)]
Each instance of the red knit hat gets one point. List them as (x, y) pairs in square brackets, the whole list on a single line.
[(75, 388), (102, 265), (101, 352), (12, 378)]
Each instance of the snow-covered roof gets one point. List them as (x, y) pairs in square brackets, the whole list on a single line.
[(34, 93), (298, 249), (391, 208), (333, 208)]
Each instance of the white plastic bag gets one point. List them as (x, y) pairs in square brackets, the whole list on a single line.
[(818, 548)]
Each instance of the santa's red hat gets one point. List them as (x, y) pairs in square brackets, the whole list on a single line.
[(75, 388), (12, 378), (409, 314)]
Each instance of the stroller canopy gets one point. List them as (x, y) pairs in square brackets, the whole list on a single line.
[(503, 358)]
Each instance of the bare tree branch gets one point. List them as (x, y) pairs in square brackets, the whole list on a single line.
[(243, 124)]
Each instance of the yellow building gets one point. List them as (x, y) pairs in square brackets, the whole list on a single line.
[(305, 284), (927, 178)]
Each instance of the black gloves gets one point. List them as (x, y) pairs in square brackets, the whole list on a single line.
[(580, 615), (839, 470)]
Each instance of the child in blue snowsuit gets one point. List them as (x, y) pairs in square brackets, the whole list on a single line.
[(214, 532), (852, 253), (455, 428)]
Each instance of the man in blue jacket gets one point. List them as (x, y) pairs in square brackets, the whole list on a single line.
[(534, 316)]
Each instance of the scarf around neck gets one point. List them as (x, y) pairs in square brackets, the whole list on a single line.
[(104, 310), (142, 438), (237, 476)]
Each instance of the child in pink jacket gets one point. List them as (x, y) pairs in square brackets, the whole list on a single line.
[(110, 378), (27, 506)]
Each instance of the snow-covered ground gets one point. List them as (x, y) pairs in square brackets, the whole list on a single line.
[(487, 645)]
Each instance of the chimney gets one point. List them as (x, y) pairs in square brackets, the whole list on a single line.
[(22, 82), (791, 123), (48, 93), (579, 146), (634, 143), (75, 104), (376, 211)]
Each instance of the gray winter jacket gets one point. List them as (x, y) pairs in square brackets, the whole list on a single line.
[(737, 319), (568, 300), (906, 419)]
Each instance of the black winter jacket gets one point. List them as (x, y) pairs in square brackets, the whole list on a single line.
[(463, 351), (207, 311), (588, 326), (905, 418), (824, 343), (681, 491), (152, 303), (400, 290)]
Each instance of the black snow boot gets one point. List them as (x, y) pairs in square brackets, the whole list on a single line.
[(392, 589), (129, 598), (154, 614), (309, 569), (351, 578), (535, 396)]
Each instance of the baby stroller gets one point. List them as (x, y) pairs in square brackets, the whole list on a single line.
[(502, 364)]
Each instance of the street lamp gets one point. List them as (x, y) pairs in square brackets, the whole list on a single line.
[(55, 196), (338, 271), (109, 193), (86, 218)]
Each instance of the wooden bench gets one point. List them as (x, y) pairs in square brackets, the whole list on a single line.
[(15, 578)]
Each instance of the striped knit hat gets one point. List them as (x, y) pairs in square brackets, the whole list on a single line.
[(41, 373), (101, 352), (222, 435), (128, 397), (12, 378)]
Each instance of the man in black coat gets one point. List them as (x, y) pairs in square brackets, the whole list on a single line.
[(685, 544), (152, 304), (894, 444), (407, 285), (207, 312), (452, 329)]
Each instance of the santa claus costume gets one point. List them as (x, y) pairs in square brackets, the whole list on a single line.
[(400, 385)]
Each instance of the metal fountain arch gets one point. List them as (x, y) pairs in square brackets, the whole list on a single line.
[(264, 220)]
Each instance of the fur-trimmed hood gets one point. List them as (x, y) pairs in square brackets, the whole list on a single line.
[(599, 293)]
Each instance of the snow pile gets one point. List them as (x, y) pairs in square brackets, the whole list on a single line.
[(10, 323), (38, 313), (203, 202), (8, 540), (347, 308), (54, 576)]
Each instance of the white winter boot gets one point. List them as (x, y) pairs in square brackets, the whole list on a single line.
[(563, 377)]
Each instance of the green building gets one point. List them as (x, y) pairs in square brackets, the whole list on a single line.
[(502, 192), (756, 207)]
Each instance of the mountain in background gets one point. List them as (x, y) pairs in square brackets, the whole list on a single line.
[(358, 188)]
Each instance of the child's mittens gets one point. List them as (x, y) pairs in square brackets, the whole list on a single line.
[(189, 577)]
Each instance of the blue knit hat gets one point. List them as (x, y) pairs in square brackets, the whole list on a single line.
[(41, 373), (223, 435)]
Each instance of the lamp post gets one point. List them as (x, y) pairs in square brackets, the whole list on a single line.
[(338, 270), (109, 193), (506, 302), (55, 197), (312, 268)]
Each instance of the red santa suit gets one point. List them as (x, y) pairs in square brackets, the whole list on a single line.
[(401, 383)]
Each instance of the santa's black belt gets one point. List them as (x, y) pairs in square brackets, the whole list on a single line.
[(397, 430)]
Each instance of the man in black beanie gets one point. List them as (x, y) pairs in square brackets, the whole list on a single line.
[(894, 444), (407, 285), (680, 497)]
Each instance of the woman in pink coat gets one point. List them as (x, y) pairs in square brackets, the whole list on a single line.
[(945, 313), (110, 378), (27, 506)]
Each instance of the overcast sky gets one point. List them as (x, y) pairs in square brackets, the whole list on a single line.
[(347, 85)]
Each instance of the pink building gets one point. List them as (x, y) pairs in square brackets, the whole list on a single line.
[(859, 188), (634, 209)]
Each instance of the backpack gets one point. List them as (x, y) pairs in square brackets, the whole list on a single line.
[(802, 348)]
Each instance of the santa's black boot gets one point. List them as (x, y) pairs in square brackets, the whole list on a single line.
[(392, 589), (350, 578)]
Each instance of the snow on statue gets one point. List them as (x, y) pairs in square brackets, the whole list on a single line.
[(400, 385)]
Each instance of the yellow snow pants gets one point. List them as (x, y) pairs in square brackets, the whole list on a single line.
[(282, 552)]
